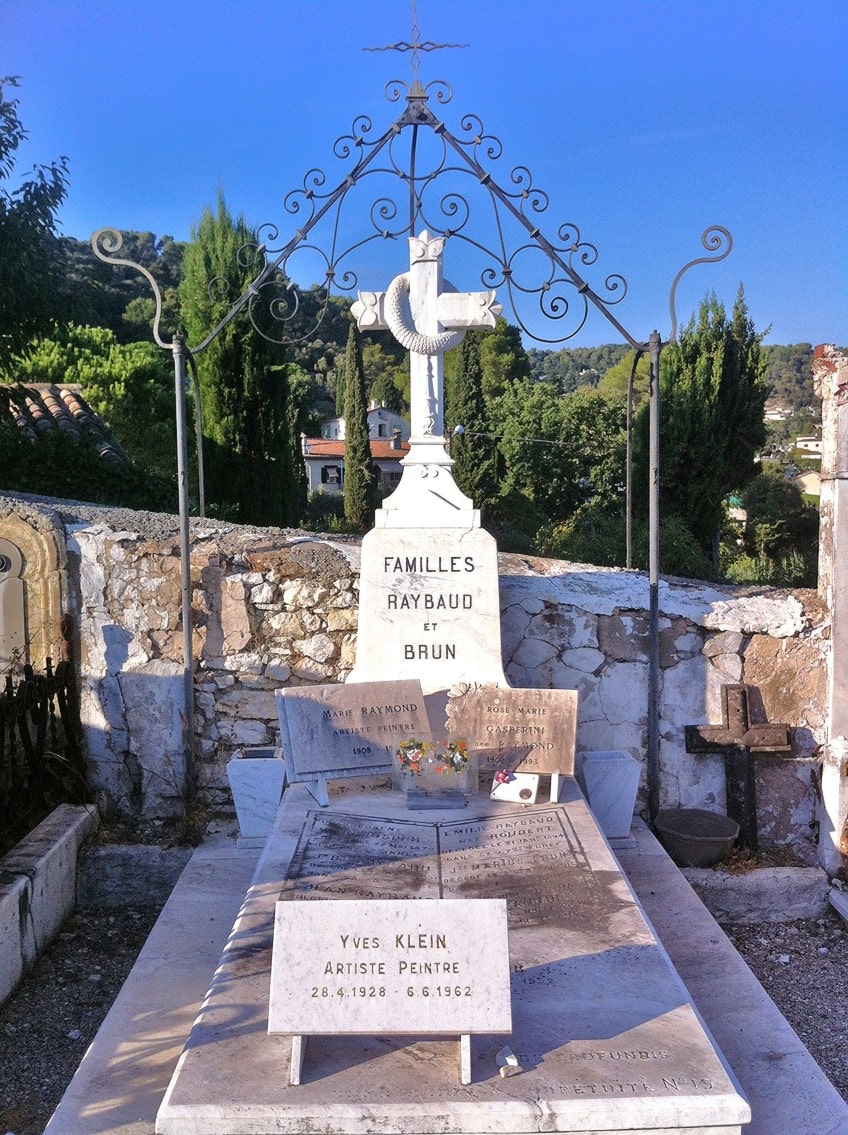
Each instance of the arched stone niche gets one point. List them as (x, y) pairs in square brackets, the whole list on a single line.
[(32, 590)]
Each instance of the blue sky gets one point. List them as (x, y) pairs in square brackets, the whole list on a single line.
[(645, 122)]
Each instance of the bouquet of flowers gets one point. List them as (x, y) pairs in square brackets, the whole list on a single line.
[(443, 757)]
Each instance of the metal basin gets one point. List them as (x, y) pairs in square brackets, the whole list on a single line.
[(694, 837)]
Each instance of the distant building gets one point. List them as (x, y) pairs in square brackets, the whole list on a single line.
[(324, 455), (382, 423), (811, 445), (774, 412), (809, 482), (324, 461)]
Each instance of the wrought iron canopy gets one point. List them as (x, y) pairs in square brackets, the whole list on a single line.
[(423, 175)]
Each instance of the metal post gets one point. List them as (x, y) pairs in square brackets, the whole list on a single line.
[(178, 347), (628, 502), (653, 761)]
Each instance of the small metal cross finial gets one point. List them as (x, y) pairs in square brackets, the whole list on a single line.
[(416, 45)]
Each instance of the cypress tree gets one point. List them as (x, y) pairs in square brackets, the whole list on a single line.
[(712, 395), (475, 467), (249, 453), (360, 486)]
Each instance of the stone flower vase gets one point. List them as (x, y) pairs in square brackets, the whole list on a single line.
[(256, 779)]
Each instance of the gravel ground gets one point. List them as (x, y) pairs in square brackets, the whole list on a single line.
[(803, 966), (47, 1026)]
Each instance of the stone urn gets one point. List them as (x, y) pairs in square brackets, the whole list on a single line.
[(257, 777)]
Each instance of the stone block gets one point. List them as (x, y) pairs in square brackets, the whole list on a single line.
[(15, 943), (623, 691), (791, 677), (623, 638), (38, 889), (766, 894)]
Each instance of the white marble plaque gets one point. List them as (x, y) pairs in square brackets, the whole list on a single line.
[(516, 787), (383, 967), (517, 730), (333, 731), (429, 607)]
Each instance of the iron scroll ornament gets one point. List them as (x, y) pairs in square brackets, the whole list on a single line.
[(422, 175), (715, 239)]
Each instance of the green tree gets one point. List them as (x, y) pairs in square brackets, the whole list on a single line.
[(781, 532), (560, 451), (98, 294), (595, 534), (789, 375), (30, 272), (615, 381), (360, 484), (249, 454), (712, 394), (130, 385), (386, 374), (340, 391), (503, 358), (475, 451), (572, 367)]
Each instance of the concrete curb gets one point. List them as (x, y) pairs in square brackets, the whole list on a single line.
[(38, 889), (767, 894)]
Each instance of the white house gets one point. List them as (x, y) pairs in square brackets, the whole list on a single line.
[(382, 423), (809, 482), (324, 461), (809, 444)]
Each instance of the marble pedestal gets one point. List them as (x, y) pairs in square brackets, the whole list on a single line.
[(256, 779), (610, 780), (602, 1025)]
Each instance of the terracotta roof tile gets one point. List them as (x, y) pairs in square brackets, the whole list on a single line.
[(381, 448), (39, 408)]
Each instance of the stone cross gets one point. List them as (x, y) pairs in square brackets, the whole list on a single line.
[(739, 740), (428, 316)]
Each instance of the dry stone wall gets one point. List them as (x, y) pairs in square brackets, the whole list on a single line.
[(276, 608)]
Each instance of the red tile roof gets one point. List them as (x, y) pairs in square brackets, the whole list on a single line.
[(381, 448), (38, 408)]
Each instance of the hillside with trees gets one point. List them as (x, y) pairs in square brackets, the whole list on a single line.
[(542, 449)]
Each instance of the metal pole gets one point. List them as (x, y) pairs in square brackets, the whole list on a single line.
[(653, 762), (628, 503), (178, 347)]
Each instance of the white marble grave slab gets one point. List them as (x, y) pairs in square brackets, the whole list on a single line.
[(429, 607), (390, 966), (516, 729), (602, 1025), (349, 729)]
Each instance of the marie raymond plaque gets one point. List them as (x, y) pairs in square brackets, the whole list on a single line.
[(340, 730)]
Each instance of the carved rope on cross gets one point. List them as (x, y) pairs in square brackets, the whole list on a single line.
[(407, 335), (427, 316)]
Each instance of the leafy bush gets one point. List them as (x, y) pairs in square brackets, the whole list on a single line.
[(595, 535), (59, 466), (325, 513)]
